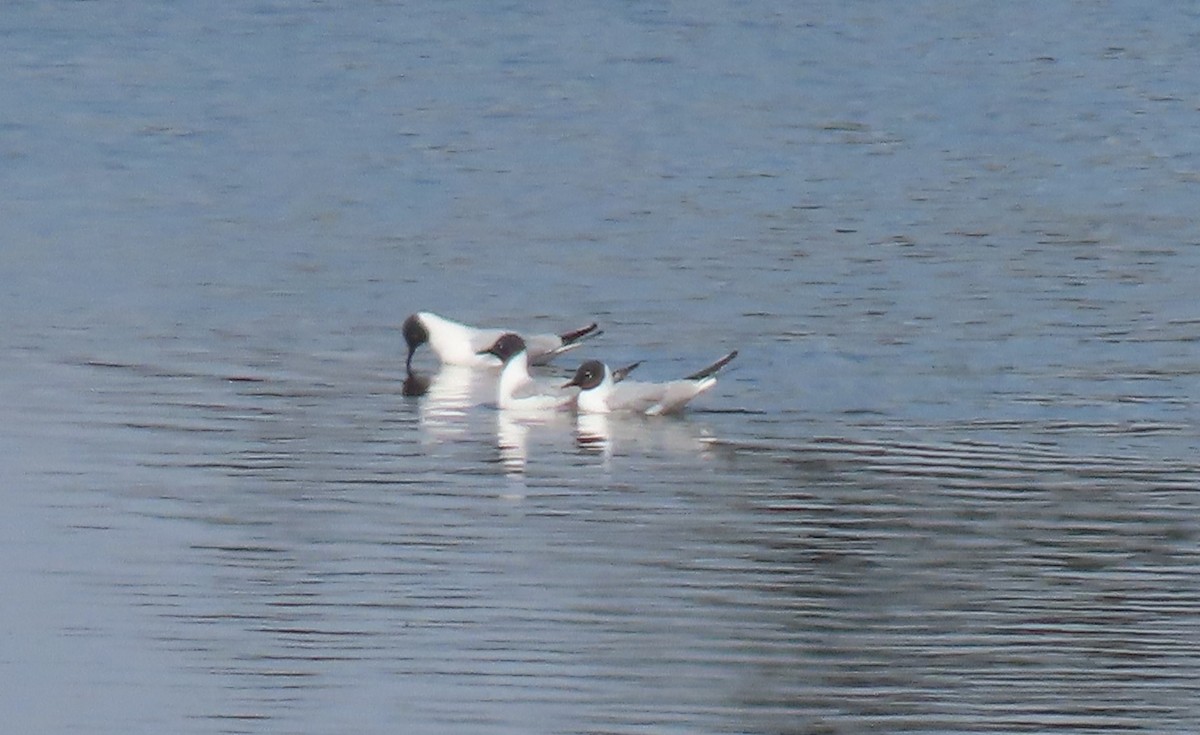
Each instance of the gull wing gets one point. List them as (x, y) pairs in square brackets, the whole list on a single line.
[(713, 368), (623, 372), (534, 394), (678, 393), (630, 395), (545, 347)]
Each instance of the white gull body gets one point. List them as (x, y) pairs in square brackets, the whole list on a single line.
[(517, 389), (459, 344)]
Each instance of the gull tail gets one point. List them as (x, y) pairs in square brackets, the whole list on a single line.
[(713, 368), (576, 335)]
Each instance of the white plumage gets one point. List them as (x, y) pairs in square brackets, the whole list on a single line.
[(458, 344)]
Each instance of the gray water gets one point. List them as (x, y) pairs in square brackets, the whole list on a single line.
[(950, 484)]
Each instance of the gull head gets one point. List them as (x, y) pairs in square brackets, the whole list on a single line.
[(506, 347), (589, 375), (415, 335)]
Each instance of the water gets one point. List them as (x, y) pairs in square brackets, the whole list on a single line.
[(948, 486)]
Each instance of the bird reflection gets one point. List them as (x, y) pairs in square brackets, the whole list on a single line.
[(600, 434), (415, 385), (593, 434), (512, 439), (447, 399), (513, 432)]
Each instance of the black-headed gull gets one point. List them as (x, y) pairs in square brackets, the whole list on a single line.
[(601, 393), (517, 389), (459, 344)]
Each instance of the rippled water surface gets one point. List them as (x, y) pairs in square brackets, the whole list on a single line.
[(949, 485)]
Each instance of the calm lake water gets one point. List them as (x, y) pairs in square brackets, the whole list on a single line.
[(950, 485)]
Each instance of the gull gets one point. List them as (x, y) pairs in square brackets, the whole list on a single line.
[(517, 389), (459, 344), (601, 393)]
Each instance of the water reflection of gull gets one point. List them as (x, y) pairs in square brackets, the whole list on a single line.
[(593, 433), (512, 435), (512, 439), (603, 433), (452, 392)]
